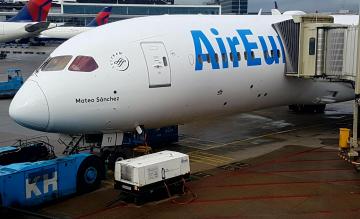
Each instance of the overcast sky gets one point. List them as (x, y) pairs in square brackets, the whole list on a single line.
[(305, 5)]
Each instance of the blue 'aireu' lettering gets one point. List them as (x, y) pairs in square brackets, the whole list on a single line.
[(206, 53)]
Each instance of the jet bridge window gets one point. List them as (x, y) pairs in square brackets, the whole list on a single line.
[(57, 63), (312, 46), (83, 64)]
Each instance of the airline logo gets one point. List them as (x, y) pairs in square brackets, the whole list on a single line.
[(205, 51), (41, 183), (119, 62)]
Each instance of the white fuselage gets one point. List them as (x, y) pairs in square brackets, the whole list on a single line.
[(63, 32), (10, 31), (133, 84)]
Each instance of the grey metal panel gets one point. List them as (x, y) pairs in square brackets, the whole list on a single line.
[(350, 52), (335, 51), (320, 52)]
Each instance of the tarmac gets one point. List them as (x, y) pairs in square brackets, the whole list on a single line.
[(265, 164)]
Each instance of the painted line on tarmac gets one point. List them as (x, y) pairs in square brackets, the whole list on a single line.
[(310, 170), (248, 198), (288, 171), (210, 159), (281, 184), (315, 161), (214, 155), (214, 144), (279, 132)]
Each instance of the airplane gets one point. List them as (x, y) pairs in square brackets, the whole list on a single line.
[(276, 11), (28, 22), (165, 70), (66, 32), (338, 19)]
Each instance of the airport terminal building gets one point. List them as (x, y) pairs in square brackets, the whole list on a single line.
[(234, 6), (79, 14)]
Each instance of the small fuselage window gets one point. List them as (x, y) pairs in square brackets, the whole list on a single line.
[(83, 64), (57, 63)]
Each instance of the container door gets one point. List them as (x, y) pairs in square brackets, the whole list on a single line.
[(157, 64)]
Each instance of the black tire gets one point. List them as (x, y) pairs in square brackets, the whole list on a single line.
[(89, 174), (294, 108), (113, 157), (139, 200), (320, 108), (300, 108), (357, 168)]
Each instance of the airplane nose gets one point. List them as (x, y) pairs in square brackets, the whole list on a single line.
[(29, 107)]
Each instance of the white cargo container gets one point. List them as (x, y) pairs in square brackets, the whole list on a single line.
[(151, 170)]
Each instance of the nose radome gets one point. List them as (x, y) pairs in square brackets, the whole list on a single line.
[(29, 107)]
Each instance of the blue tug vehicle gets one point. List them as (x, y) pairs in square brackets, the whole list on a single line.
[(10, 82), (31, 174)]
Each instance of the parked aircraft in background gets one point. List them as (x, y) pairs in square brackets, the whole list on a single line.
[(276, 11), (28, 22), (66, 32)]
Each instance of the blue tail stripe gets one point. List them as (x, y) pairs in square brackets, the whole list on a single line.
[(23, 15), (92, 23)]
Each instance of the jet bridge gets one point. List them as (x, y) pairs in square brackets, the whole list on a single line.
[(316, 47)]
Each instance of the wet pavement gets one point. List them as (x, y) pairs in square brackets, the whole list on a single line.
[(268, 163), (292, 182)]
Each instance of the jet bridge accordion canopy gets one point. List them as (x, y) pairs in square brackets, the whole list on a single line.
[(289, 32)]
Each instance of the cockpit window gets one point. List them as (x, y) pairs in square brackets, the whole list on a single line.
[(83, 64), (57, 63)]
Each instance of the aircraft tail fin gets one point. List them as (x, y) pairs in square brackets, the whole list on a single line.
[(101, 18), (33, 11), (275, 10)]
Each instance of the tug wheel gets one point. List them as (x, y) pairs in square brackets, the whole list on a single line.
[(89, 174), (357, 168)]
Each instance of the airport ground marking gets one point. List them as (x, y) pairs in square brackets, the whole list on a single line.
[(210, 159)]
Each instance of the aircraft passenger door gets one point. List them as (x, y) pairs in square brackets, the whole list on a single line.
[(157, 64)]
